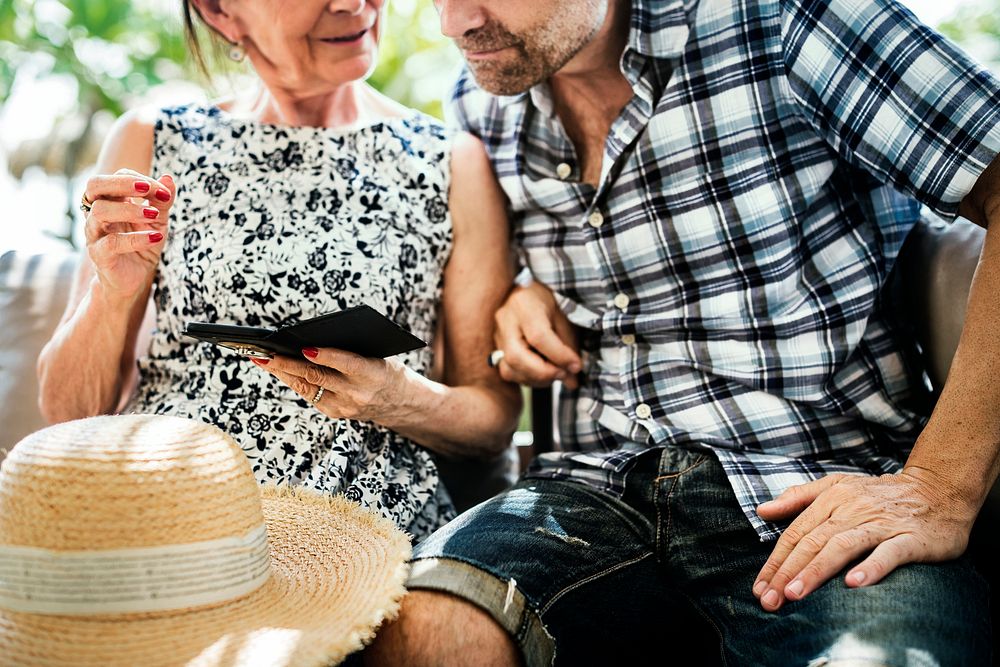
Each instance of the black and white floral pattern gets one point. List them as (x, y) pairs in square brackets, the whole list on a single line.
[(274, 224)]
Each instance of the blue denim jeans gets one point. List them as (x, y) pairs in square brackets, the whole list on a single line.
[(578, 577)]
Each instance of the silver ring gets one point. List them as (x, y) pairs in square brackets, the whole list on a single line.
[(319, 394), (496, 356), (85, 205)]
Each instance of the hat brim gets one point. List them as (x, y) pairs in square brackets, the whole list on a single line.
[(338, 572)]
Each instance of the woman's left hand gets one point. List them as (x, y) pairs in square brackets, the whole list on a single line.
[(342, 385)]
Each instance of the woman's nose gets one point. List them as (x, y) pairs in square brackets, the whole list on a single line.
[(346, 6)]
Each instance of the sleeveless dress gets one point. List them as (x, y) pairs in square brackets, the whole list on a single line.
[(275, 224)]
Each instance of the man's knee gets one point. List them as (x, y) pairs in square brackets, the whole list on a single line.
[(436, 629)]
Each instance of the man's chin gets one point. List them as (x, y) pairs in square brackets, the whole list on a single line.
[(502, 83)]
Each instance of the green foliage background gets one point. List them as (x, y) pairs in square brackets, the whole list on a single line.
[(149, 34), (115, 51)]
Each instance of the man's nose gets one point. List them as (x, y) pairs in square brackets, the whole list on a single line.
[(460, 16)]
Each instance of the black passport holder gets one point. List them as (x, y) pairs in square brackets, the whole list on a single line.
[(362, 330)]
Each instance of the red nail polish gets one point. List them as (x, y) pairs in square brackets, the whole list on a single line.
[(260, 362), (150, 213), (163, 195), (310, 352), (141, 186), (155, 237)]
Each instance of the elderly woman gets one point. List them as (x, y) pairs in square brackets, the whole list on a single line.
[(314, 194)]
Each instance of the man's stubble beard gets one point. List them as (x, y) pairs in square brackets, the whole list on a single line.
[(540, 53)]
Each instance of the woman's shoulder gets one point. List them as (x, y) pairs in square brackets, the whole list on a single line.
[(129, 143)]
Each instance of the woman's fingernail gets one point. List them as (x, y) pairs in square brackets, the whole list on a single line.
[(574, 367), (155, 237), (150, 213), (759, 587), (163, 195), (770, 598), (259, 362), (141, 186), (795, 588), (310, 352), (168, 177)]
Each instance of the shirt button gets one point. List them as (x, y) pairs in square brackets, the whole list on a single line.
[(621, 301), (596, 219), (628, 339), (643, 411), (563, 170)]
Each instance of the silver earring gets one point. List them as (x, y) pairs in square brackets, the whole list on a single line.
[(236, 52)]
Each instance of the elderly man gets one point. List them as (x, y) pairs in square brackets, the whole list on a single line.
[(713, 193)]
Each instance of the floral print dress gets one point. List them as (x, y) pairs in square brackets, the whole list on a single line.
[(276, 224)]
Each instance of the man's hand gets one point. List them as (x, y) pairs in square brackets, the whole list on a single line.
[(537, 340), (903, 518)]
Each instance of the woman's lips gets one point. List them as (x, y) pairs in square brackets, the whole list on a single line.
[(346, 39)]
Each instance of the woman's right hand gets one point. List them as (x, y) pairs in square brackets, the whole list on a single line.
[(125, 238)]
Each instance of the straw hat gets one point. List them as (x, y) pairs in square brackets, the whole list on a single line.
[(145, 540)]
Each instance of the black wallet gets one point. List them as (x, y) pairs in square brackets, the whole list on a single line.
[(362, 330)]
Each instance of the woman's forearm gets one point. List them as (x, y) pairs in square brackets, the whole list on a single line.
[(81, 369), (462, 422)]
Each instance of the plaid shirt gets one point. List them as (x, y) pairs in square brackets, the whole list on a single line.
[(727, 271)]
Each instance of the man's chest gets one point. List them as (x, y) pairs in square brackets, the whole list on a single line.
[(693, 196)]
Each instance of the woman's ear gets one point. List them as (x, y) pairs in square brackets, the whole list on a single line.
[(215, 13)]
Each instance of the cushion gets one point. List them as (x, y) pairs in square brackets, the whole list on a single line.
[(936, 266), (33, 294)]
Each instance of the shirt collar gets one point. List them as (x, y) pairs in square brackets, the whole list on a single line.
[(658, 29)]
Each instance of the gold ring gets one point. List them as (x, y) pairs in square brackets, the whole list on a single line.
[(319, 394), (85, 204)]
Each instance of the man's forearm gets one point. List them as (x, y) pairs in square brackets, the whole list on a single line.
[(960, 447)]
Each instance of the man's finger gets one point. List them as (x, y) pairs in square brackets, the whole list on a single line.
[(566, 332), (840, 550), (886, 557), (806, 522), (817, 556), (522, 365), (795, 499), (544, 337)]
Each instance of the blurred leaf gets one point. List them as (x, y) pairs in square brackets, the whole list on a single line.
[(976, 27)]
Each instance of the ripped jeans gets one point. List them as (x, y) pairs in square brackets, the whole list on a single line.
[(578, 577)]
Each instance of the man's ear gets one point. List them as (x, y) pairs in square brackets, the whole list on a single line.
[(215, 14)]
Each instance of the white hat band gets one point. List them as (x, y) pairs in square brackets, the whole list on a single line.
[(141, 579)]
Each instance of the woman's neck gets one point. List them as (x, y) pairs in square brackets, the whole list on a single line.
[(347, 105)]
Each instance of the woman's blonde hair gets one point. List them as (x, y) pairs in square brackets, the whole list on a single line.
[(191, 33)]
